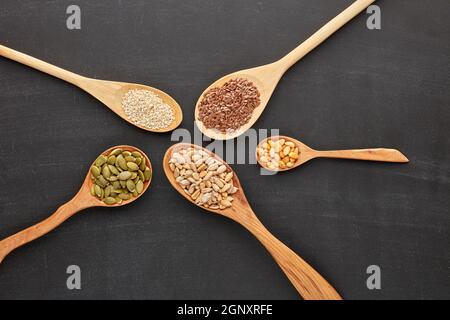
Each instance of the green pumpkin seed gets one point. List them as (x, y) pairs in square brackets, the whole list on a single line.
[(125, 196), (95, 171), (113, 169), (116, 185), (93, 190), (111, 160), (105, 171), (136, 180), (138, 161), (108, 190), (132, 166), (109, 200), (103, 181), (136, 154), (142, 165), (98, 190), (125, 175), (123, 183), (131, 186), (121, 162), (113, 178), (100, 160), (133, 175), (116, 152), (141, 175), (130, 159), (139, 186), (118, 200), (126, 153), (135, 193), (147, 173), (99, 183)]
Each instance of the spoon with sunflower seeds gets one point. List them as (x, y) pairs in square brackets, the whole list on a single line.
[(119, 176), (142, 106), (209, 182)]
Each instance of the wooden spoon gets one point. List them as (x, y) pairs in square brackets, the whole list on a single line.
[(109, 93), (306, 153), (310, 284), (82, 200), (266, 77)]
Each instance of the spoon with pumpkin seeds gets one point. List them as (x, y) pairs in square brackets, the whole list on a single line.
[(119, 176)]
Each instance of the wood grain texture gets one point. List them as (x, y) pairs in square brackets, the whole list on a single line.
[(110, 93), (306, 154), (82, 200), (308, 282), (266, 77)]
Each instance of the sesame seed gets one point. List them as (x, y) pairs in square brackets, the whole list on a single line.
[(146, 109)]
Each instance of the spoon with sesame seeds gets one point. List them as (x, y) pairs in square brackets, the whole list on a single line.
[(82, 200), (308, 282), (211, 113), (110, 93), (281, 148)]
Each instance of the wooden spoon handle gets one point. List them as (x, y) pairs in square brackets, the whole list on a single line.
[(380, 154), (325, 32), (41, 65), (19, 239), (308, 282)]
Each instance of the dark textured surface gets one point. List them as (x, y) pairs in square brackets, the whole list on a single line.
[(359, 89)]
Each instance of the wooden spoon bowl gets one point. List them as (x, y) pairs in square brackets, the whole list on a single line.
[(306, 153), (265, 78), (239, 197), (82, 200), (309, 283), (110, 93), (87, 184)]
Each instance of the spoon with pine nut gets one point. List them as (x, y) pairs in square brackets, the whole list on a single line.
[(110, 93), (281, 153), (265, 78), (308, 282), (82, 200)]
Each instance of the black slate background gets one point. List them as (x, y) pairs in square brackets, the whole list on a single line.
[(361, 88)]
